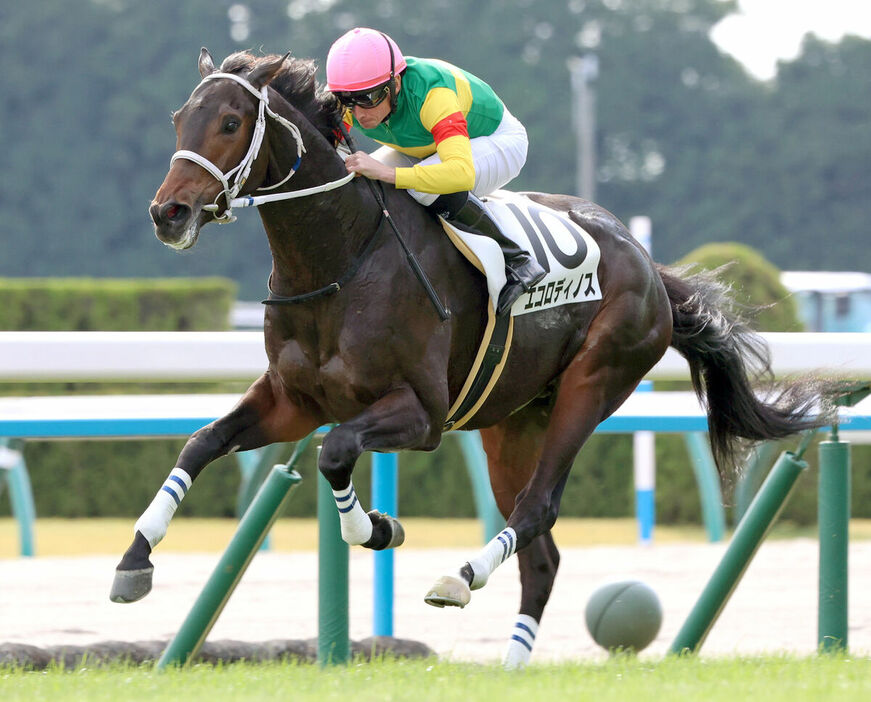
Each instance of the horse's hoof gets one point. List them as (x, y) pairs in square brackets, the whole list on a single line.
[(131, 585), (387, 532), (449, 591)]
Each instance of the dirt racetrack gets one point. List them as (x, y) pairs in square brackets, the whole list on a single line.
[(52, 601)]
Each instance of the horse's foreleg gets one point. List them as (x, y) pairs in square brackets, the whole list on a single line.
[(261, 417), (396, 421)]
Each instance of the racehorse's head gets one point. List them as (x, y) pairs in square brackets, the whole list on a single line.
[(214, 129)]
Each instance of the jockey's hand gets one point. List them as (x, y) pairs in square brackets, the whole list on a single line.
[(363, 164)]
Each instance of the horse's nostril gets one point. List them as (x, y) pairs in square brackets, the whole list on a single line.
[(173, 212)]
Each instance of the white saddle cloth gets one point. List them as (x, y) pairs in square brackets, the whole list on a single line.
[(568, 253)]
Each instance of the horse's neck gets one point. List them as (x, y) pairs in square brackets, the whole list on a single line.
[(314, 239)]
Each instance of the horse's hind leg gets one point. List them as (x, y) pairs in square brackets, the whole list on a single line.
[(513, 449), (263, 416), (538, 564), (625, 340)]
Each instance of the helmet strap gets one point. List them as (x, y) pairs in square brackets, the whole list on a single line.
[(391, 85)]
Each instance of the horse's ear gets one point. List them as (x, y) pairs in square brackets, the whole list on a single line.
[(205, 63), (266, 70)]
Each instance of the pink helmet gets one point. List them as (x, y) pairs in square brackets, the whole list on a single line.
[(362, 59)]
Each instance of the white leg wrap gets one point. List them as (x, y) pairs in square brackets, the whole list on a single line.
[(495, 553), (521, 642), (154, 521), (356, 525)]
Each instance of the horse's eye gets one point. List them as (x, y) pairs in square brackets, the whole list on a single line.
[(230, 126)]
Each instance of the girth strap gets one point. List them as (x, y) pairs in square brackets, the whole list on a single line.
[(485, 371)]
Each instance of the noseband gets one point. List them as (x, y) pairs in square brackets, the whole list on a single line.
[(240, 173)]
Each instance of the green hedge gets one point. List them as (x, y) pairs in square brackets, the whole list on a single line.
[(107, 304), (96, 478), (119, 478), (114, 304)]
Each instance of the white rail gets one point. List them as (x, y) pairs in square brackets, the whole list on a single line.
[(240, 355), (131, 356), (847, 354)]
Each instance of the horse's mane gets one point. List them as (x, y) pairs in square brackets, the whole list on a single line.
[(296, 83)]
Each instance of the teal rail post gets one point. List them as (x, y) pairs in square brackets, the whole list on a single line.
[(334, 645), (750, 532), (761, 458), (20, 493), (255, 466), (476, 466), (708, 480), (255, 524)]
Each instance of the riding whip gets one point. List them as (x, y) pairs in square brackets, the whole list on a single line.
[(443, 313)]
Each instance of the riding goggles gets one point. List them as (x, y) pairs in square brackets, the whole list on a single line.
[(366, 99)]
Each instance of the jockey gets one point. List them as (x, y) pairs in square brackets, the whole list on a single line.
[(448, 139)]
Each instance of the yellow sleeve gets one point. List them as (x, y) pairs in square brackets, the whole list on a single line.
[(455, 173), (443, 115)]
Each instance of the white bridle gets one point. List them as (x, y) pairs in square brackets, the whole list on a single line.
[(240, 173)]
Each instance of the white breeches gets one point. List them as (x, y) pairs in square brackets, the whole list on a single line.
[(498, 158)]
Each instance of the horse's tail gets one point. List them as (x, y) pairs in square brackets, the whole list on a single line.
[(726, 358)]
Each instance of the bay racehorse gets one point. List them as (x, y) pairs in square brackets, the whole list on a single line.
[(361, 346)]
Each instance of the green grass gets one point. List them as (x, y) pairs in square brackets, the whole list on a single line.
[(769, 679)]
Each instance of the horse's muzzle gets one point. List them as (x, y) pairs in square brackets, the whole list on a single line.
[(172, 223), (170, 213)]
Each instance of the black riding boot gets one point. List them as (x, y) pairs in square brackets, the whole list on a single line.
[(467, 212)]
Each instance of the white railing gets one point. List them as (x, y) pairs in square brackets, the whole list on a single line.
[(847, 354), (240, 355), (131, 356)]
